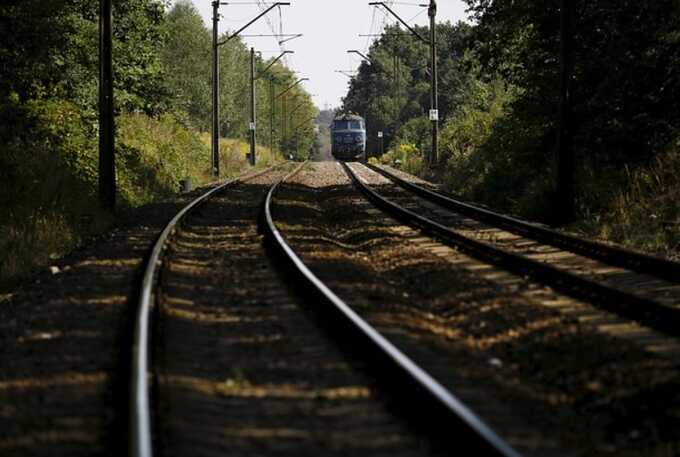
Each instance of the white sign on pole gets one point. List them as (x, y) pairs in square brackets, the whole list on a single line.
[(434, 114), (380, 134), (252, 126)]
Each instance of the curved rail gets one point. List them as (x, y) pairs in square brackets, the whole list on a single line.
[(621, 257), (140, 411), (656, 315), (482, 439)]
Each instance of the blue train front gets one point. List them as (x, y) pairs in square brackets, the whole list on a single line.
[(348, 137)]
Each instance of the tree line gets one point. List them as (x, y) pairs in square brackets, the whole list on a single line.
[(49, 77), (499, 99)]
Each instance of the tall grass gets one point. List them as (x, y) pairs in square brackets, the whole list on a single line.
[(48, 174), (233, 158), (645, 214)]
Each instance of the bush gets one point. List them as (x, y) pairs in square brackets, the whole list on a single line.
[(405, 157), (49, 168), (416, 132), (645, 214), (233, 158), (153, 155)]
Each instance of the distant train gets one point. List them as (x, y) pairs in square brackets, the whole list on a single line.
[(348, 137)]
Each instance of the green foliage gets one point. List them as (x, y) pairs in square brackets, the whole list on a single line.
[(49, 167), (406, 157), (395, 87), (417, 132), (644, 213), (626, 86), (154, 155), (186, 57), (472, 146), (499, 95), (48, 175), (233, 155), (50, 49), (162, 95)]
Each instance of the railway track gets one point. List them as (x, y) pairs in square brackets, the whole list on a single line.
[(231, 339), (639, 287)]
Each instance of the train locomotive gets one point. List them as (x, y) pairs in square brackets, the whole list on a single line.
[(348, 137)]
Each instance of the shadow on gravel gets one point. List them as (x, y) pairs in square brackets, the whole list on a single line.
[(551, 385), (242, 371), (65, 342)]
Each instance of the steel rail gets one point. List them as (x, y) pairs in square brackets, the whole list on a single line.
[(617, 256), (648, 312), (482, 439), (140, 411)]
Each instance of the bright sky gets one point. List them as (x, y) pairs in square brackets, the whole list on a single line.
[(330, 28)]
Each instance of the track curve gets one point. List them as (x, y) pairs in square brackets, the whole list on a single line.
[(140, 432), (482, 439)]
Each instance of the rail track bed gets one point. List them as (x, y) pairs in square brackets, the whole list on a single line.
[(64, 344), (245, 360), (552, 374), (242, 369), (650, 295)]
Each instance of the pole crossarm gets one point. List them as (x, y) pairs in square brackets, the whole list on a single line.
[(291, 37), (368, 59), (364, 56), (265, 35), (347, 73), (411, 29), (235, 34), (291, 86), (263, 72)]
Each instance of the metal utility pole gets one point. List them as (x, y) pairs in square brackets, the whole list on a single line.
[(564, 189), (215, 93), (252, 107), (395, 89), (107, 163), (434, 94), (434, 112), (283, 122), (271, 118), (216, 76)]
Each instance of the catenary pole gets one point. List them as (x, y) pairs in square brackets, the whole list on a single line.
[(271, 117), (215, 94), (216, 75), (107, 164), (434, 89), (432, 12), (253, 120)]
